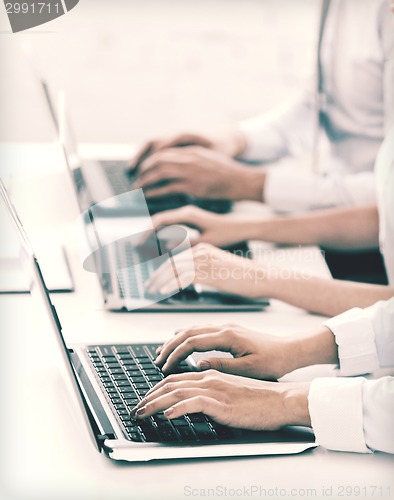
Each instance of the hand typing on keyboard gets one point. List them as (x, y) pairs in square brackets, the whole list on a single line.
[(255, 354), (229, 400), (233, 398)]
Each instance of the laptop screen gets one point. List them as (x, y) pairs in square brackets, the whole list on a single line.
[(46, 314)]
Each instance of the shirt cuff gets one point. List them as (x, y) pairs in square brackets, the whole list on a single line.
[(355, 337), (296, 189), (336, 411), (263, 142)]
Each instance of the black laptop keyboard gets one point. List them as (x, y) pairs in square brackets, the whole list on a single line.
[(131, 271), (126, 373), (116, 174)]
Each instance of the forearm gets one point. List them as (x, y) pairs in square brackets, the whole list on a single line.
[(342, 229), (315, 348), (327, 297)]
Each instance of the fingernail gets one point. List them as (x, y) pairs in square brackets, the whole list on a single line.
[(204, 365), (158, 350), (169, 412), (141, 411)]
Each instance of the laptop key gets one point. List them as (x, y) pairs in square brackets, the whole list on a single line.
[(115, 370), (223, 432), (134, 436), (138, 350), (109, 385), (186, 434), (155, 378), (148, 429), (204, 432), (132, 402), (152, 349), (127, 389), (105, 350), (111, 389), (131, 425), (110, 359), (141, 385), (142, 357), (152, 371), (166, 432), (123, 383), (184, 366), (180, 422), (146, 362), (143, 392), (197, 417), (124, 356), (116, 399), (133, 373), (122, 349)]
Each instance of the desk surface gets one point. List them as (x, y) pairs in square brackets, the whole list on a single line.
[(46, 452)]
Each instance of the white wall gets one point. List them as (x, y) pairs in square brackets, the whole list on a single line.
[(136, 68)]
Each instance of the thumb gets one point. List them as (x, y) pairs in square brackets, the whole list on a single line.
[(226, 365)]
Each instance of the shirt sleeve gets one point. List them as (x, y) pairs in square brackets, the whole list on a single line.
[(298, 191), (288, 130), (355, 414), (365, 338)]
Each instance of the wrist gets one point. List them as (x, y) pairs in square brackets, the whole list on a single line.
[(237, 143), (295, 404), (317, 348), (252, 184)]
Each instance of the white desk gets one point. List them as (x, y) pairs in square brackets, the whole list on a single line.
[(46, 453)]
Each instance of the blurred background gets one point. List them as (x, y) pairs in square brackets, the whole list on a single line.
[(132, 69)]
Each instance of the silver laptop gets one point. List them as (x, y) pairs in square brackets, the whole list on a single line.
[(106, 381), (124, 259), (123, 267), (98, 180)]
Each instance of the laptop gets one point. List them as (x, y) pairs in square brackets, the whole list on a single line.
[(122, 269), (124, 256), (105, 179), (107, 380)]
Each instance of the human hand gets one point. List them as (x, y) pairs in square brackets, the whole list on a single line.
[(229, 400), (257, 355), (199, 172), (231, 144), (216, 229), (210, 266)]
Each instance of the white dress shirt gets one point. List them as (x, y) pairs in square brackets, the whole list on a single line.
[(357, 59), (384, 172), (357, 414)]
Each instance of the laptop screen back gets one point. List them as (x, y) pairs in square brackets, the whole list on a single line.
[(46, 314)]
